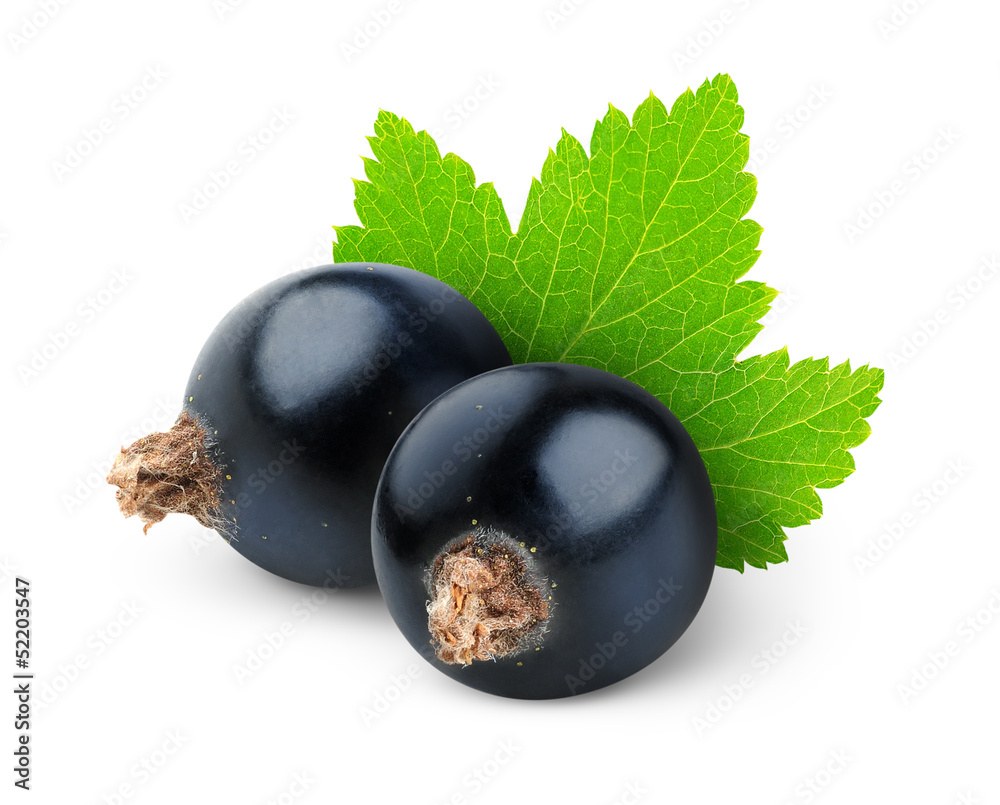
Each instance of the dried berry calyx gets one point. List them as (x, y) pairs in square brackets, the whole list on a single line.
[(485, 603), (169, 472)]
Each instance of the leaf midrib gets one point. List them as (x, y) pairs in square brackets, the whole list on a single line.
[(639, 250)]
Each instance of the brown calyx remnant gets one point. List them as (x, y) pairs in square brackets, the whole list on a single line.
[(169, 472), (485, 603)]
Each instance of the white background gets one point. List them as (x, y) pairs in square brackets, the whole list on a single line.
[(137, 640)]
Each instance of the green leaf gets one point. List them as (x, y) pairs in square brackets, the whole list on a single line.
[(628, 259)]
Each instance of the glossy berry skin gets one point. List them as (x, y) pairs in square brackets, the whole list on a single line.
[(306, 385), (603, 494)]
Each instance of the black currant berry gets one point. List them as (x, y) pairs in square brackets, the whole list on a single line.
[(543, 530), (292, 407)]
